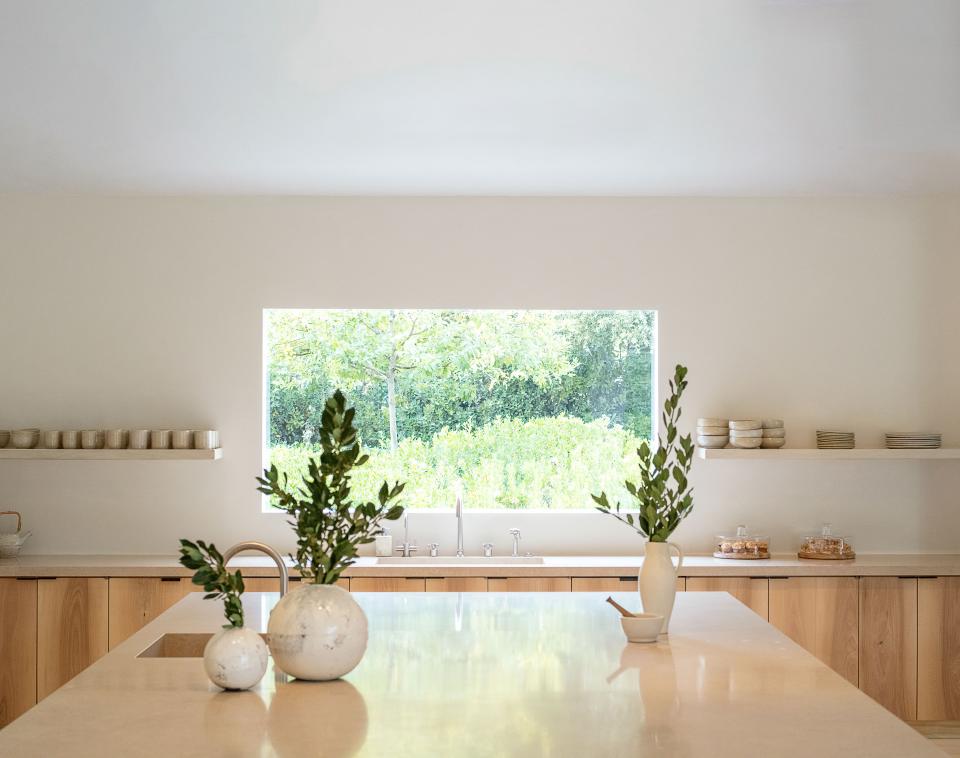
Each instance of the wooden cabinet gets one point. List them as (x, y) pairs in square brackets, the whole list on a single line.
[(820, 614), (136, 601), (72, 629), (457, 584), (385, 584), (604, 584), (18, 647), (938, 648), (888, 642), (529, 584), (753, 593)]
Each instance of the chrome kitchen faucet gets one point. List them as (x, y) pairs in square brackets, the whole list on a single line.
[(265, 549)]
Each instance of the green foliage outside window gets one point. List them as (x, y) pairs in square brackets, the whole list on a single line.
[(530, 409)]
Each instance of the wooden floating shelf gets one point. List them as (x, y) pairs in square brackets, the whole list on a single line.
[(813, 454), (45, 454)]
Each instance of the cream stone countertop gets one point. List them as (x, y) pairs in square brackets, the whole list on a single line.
[(556, 565), (480, 674)]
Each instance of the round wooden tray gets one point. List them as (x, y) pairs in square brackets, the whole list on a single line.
[(827, 556), (742, 556)]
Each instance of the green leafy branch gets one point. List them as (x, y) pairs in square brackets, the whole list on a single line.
[(662, 495), (212, 575), (329, 525)]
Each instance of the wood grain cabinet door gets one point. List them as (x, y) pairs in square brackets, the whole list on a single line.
[(753, 593), (457, 584), (529, 584), (938, 649), (72, 629), (136, 601), (888, 642), (18, 647), (385, 584), (820, 614)]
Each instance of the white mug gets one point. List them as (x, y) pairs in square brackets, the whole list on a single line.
[(160, 439), (139, 439), (206, 440), (51, 440), (116, 439), (181, 440), (70, 440), (91, 439)]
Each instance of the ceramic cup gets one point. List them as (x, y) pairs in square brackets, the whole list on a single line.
[(70, 440), (139, 439), (208, 439), (116, 439), (91, 439), (4, 437), (51, 440), (181, 439), (160, 439)]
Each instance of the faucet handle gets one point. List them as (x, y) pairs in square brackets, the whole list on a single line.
[(515, 532)]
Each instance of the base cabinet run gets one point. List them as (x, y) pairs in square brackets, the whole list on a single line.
[(896, 638)]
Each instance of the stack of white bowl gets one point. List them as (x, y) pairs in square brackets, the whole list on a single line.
[(746, 433), (774, 435), (712, 432)]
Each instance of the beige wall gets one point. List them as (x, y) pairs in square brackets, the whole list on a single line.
[(147, 311)]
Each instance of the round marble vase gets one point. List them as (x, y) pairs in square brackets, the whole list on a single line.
[(235, 658), (658, 580), (317, 632)]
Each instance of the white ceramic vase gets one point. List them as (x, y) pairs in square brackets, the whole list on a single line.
[(317, 632), (658, 580), (235, 658)]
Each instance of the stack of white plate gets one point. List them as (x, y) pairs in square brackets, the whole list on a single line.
[(913, 440), (746, 433), (774, 435), (712, 432), (835, 440)]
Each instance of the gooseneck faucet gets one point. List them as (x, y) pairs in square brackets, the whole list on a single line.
[(267, 550), (458, 509)]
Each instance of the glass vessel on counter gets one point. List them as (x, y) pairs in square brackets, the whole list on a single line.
[(744, 546), (826, 546)]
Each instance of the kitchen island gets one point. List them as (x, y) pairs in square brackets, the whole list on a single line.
[(478, 674)]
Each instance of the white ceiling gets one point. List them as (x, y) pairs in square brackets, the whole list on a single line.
[(480, 96)]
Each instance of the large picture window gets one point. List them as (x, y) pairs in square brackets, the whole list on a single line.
[(520, 409)]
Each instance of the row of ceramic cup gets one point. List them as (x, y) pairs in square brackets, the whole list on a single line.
[(113, 439)]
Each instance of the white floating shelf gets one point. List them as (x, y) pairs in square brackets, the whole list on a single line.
[(44, 454), (813, 454)]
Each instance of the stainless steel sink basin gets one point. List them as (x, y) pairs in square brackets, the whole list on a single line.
[(179, 646), (467, 560)]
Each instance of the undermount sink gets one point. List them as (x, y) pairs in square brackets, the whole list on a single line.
[(467, 560), (179, 645)]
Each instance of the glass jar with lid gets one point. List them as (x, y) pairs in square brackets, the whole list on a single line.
[(826, 546), (743, 546)]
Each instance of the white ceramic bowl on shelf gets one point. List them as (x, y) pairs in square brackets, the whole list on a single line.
[(745, 424), (746, 443), (712, 441), (24, 439)]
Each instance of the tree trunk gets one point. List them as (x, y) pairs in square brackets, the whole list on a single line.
[(392, 401)]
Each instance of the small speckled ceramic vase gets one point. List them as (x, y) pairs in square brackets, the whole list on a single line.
[(235, 658), (317, 632)]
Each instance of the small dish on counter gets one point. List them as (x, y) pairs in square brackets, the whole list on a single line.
[(642, 627), (743, 546), (826, 546)]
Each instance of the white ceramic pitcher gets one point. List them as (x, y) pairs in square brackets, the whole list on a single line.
[(658, 580)]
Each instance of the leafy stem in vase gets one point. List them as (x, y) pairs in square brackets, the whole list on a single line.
[(663, 495), (212, 575), (329, 525)]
